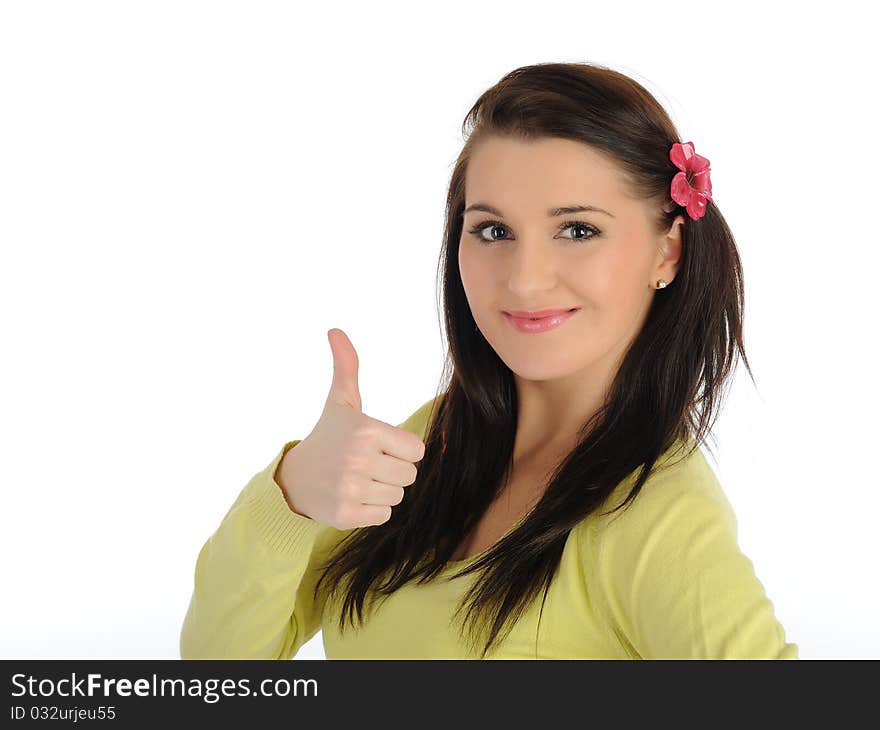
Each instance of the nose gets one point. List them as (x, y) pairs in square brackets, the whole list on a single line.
[(532, 268)]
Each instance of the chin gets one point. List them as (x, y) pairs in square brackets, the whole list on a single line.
[(538, 366)]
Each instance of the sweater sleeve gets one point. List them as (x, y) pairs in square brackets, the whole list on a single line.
[(674, 582), (255, 568), (255, 576)]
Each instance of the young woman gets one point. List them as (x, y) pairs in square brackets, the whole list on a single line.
[(561, 506)]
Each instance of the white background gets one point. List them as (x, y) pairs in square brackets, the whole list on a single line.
[(193, 193)]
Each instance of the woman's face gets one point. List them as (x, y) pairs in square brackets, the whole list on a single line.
[(519, 257)]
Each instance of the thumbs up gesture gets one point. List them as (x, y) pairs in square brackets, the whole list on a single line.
[(351, 469)]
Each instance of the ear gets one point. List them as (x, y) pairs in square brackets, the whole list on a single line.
[(669, 251)]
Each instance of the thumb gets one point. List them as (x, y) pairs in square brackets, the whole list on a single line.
[(344, 389)]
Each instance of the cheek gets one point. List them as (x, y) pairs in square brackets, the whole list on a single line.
[(474, 272), (465, 270), (610, 288), (464, 263)]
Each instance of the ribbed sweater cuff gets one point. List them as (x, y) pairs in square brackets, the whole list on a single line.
[(285, 531)]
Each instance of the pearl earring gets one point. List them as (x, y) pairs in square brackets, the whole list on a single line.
[(661, 283)]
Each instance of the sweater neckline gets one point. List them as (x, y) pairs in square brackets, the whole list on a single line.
[(464, 562)]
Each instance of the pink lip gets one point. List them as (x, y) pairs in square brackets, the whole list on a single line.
[(524, 324), (525, 313)]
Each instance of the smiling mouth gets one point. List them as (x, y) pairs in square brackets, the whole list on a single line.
[(540, 324), (545, 316)]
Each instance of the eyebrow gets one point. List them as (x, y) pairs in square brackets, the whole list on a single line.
[(552, 213)]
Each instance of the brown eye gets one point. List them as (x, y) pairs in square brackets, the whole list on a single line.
[(480, 227), (589, 231)]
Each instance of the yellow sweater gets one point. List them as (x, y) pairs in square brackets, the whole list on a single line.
[(662, 579)]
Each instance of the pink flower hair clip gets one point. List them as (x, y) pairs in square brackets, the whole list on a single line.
[(691, 187)]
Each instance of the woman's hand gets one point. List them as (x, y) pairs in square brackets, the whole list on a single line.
[(351, 469)]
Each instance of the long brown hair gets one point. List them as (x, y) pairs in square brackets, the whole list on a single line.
[(666, 391)]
